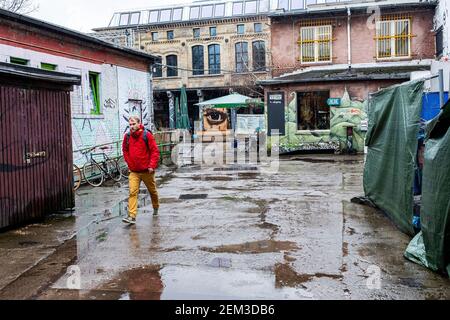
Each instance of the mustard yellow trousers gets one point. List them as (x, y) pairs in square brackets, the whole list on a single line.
[(135, 180)]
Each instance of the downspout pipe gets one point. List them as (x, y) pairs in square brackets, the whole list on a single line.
[(349, 27)]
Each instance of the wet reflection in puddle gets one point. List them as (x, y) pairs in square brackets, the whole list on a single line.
[(187, 283), (255, 247), (286, 276)]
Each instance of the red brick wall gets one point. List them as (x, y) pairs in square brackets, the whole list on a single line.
[(31, 38), (286, 32)]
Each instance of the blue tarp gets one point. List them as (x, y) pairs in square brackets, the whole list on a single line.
[(431, 106)]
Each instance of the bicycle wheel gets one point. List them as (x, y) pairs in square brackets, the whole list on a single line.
[(93, 174), (113, 170), (123, 167), (76, 177)]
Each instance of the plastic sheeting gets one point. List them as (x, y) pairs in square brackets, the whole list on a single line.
[(435, 215), (394, 120)]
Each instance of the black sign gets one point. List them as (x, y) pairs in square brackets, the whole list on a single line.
[(276, 113)]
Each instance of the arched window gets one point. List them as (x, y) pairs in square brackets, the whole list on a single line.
[(259, 56), (214, 58), (198, 60), (157, 68), (241, 57), (172, 66)]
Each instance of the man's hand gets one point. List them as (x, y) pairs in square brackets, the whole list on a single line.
[(150, 170)]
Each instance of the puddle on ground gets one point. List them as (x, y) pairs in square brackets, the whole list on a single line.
[(233, 177), (345, 249), (317, 160), (264, 246), (410, 282), (286, 276), (220, 263), (270, 226), (136, 284), (216, 281), (238, 168), (29, 243)]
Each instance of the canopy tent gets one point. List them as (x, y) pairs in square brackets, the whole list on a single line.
[(234, 100)]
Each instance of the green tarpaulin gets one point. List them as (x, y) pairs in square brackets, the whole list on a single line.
[(435, 212), (394, 122)]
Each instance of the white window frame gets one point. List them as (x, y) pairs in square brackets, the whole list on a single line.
[(316, 45), (393, 42)]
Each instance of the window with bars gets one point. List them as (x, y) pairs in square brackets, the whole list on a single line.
[(316, 44), (198, 63), (172, 66), (393, 38), (241, 57), (259, 56), (214, 59)]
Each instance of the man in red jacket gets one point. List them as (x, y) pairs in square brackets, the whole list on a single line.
[(142, 157)]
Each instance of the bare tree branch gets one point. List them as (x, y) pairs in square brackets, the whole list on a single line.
[(19, 6)]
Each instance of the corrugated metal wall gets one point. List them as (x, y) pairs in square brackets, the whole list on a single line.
[(35, 154)]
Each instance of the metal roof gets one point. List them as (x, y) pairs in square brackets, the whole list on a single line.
[(226, 9), (393, 72), (8, 69)]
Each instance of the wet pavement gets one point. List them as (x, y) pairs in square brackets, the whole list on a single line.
[(222, 234)]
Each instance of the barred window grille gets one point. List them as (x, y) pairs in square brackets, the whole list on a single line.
[(316, 44), (393, 38)]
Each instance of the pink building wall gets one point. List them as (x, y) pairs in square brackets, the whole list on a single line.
[(286, 33)]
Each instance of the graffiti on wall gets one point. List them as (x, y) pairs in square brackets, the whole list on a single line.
[(110, 104), (350, 113), (135, 108), (295, 140)]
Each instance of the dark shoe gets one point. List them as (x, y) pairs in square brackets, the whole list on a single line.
[(155, 212), (129, 220)]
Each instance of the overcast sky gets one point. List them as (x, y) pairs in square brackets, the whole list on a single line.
[(83, 15)]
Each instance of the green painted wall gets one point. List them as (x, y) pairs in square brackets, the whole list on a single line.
[(349, 113)]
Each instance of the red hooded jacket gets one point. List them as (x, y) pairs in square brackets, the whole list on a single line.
[(138, 156)]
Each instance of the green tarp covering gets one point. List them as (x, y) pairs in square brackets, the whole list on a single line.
[(435, 213), (394, 123)]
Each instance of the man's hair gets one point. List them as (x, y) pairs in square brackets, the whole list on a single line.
[(135, 118)]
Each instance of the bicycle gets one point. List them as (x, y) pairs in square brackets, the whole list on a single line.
[(77, 177), (96, 172), (123, 167)]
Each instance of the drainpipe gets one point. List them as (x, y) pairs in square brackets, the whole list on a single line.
[(349, 49), (441, 88)]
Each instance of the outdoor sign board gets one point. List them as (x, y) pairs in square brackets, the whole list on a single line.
[(334, 102), (276, 114)]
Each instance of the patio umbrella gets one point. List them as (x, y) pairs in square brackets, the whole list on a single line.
[(231, 101), (185, 124), (177, 113)]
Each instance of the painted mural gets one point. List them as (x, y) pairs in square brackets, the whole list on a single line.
[(350, 113), (124, 92)]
